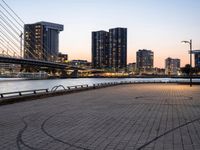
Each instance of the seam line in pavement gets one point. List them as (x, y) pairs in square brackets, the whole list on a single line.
[(169, 131)]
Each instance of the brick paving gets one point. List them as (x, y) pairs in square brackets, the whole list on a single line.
[(125, 117)]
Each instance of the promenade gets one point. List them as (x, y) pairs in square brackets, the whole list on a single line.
[(124, 117)]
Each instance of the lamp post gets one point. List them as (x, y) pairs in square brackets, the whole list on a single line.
[(190, 52)]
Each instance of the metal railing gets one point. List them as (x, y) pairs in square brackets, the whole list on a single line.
[(22, 93), (67, 89), (78, 86), (56, 87)]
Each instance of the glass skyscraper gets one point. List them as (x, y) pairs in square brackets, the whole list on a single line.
[(118, 48), (100, 49)]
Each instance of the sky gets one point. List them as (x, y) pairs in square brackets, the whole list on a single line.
[(157, 25)]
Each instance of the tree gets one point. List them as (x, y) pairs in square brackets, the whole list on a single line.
[(186, 69)]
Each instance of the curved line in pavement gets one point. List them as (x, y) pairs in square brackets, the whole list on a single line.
[(54, 138), (19, 136), (167, 132)]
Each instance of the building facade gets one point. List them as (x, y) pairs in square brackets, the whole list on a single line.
[(197, 58), (145, 60), (118, 49), (80, 63), (100, 49), (109, 49), (41, 41), (172, 66), (131, 67), (62, 58)]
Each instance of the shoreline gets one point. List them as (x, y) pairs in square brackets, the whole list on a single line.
[(135, 77)]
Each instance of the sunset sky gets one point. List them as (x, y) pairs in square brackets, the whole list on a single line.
[(158, 25)]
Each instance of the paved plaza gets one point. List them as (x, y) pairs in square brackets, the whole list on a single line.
[(130, 117)]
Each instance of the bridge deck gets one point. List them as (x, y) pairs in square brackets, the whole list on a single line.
[(151, 116)]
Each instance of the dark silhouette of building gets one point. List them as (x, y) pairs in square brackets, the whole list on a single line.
[(172, 66), (41, 41), (80, 63), (197, 58), (62, 58), (109, 49), (118, 48), (145, 60), (100, 49), (131, 67)]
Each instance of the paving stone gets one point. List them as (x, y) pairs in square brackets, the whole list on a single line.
[(125, 117)]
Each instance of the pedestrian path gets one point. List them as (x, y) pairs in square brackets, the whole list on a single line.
[(125, 117)]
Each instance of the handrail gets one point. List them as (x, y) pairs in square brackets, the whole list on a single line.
[(78, 86), (69, 87), (56, 87), (20, 93)]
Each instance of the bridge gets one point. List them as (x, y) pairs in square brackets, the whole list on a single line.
[(12, 45), (31, 62)]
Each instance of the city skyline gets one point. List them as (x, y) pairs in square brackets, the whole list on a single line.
[(158, 25)]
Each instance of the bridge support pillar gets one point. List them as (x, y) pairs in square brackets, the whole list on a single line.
[(74, 74)]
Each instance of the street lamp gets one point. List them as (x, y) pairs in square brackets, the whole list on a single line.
[(190, 52)]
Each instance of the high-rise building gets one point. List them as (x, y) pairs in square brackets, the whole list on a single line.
[(118, 48), (41, 41), (145, 60), (100, 49), (197, 58), (109, 49), (172, 66)]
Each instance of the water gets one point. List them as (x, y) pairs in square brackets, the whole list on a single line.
[(10, 85)]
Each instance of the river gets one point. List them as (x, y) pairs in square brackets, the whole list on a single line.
[(10, 84)]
